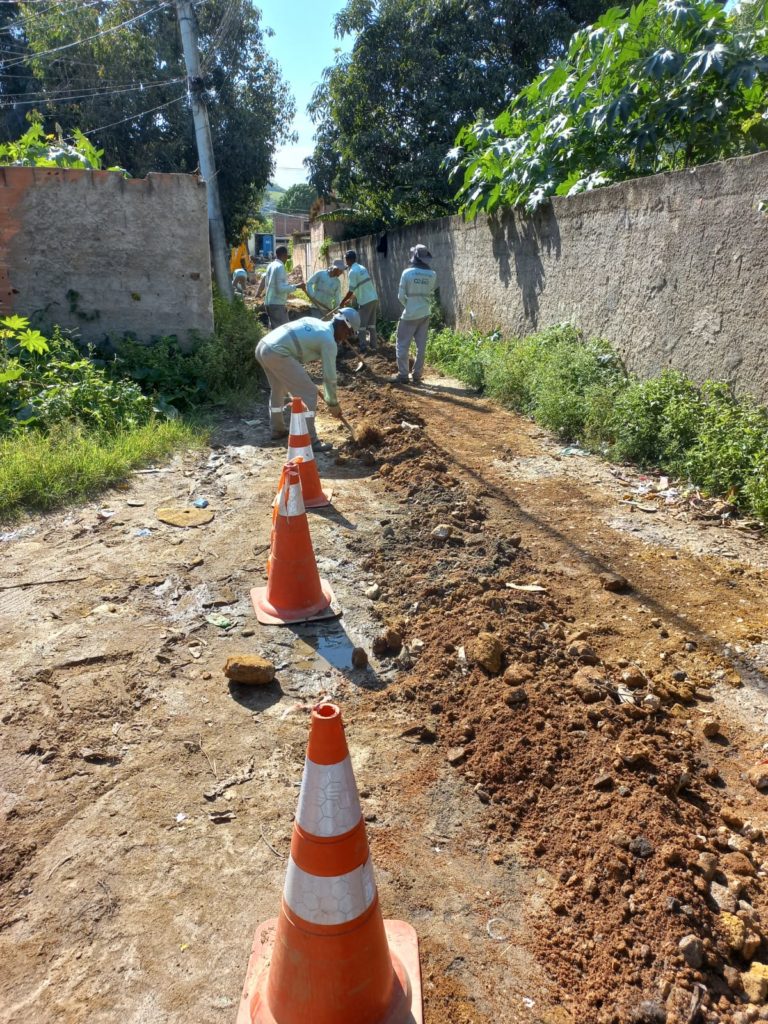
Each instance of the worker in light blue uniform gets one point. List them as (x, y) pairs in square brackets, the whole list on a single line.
[(324, 289), (282, 353), (362, 288), (417, 286), (276, 288)]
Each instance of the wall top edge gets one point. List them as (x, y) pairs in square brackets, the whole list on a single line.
[(42, 175)]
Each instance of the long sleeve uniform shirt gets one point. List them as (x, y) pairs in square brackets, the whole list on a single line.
[(325, 289), (308, 340), (277, 284), (361, 285), (417, 287)]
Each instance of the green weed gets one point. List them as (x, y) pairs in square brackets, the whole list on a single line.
[(41, 471)]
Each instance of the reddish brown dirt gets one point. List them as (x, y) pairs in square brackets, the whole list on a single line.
[(541, 834)]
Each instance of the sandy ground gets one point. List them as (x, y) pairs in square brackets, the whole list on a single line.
[(128, 895)]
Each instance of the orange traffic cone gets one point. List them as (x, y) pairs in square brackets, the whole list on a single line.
[(330, 958), (294, 590), (300, 447)]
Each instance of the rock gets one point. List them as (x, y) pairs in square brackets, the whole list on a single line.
[(249, 670), (641, 847), (732, 818), (589, 684), (735, 931), (517, 674), (373, 592), (516, 697), (456, 755), (751, 945), (679, 676), (710, 727), (359, 658), (385, 469), (441, 532), (755, 983), (633, 678), (482, 794), (692, 949), (582, 650), (732, 977), (758, 776), (724, 900), (707, 864), (486, 651), (247, 632), (738, 864), (388, 642), (648, 1012), (613, 582), (603, 781)]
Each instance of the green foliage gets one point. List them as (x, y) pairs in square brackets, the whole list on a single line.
[(43, 470), (666, 85), (296, 199), (127, 85), (215, 368), (36, 149), (387, 111), (45, 382), (580, 390)]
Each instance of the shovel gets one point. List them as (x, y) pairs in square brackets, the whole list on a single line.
[(360, 364)]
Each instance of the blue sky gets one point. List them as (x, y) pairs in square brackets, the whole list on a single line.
[(303, 45)]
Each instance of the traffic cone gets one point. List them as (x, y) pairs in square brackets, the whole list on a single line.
[(294, 590), (300, 447), (330, 958)]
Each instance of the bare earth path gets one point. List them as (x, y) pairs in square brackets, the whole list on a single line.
[(500, 813)]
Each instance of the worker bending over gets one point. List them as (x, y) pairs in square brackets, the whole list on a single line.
[(324, 289), (283, 351), (417, 286), (361, 287)]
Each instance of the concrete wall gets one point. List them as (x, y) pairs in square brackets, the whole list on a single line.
[(672, 269), (104, 254)]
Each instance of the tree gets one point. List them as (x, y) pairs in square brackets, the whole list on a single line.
[(666, 85), (387, 112), (297, 199), (124, 83)]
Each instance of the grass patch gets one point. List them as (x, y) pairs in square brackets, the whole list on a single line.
[(41, 471), (580, 390)]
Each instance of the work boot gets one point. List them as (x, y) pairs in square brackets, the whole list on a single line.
[(321, 446), (418, 381), (397, 379)]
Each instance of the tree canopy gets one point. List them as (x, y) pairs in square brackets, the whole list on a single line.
[(123, 83), (666, 85), (296, 199), (386, 113)]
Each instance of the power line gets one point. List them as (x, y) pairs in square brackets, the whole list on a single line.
[(135, 117), (87, 39), (64, 97)]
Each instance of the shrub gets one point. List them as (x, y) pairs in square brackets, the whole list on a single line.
[(47, 381), (655, 421), (214, 368), (459, 354)]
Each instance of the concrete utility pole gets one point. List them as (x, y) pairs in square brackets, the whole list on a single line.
[(218, 239)]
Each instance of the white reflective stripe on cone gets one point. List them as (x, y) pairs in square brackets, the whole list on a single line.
[(328, 801), (305, 452), (298, 424), (332, 900), (290, 501)]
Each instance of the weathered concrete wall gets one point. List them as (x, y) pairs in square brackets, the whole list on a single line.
[(673, 270), (104, 254)]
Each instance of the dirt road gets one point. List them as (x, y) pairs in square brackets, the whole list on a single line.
[(550, 824)]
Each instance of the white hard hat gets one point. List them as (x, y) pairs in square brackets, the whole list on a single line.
[(350, 316)]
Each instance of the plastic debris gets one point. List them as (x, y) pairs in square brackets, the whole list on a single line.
[(497, 929), (142, 533), (200, 503), (527, 588), (220, 620)]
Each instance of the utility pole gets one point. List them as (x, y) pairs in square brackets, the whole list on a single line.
[(196, 91)]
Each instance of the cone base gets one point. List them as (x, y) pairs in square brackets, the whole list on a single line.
[(403, 945), (269, 615), (323, 500)]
